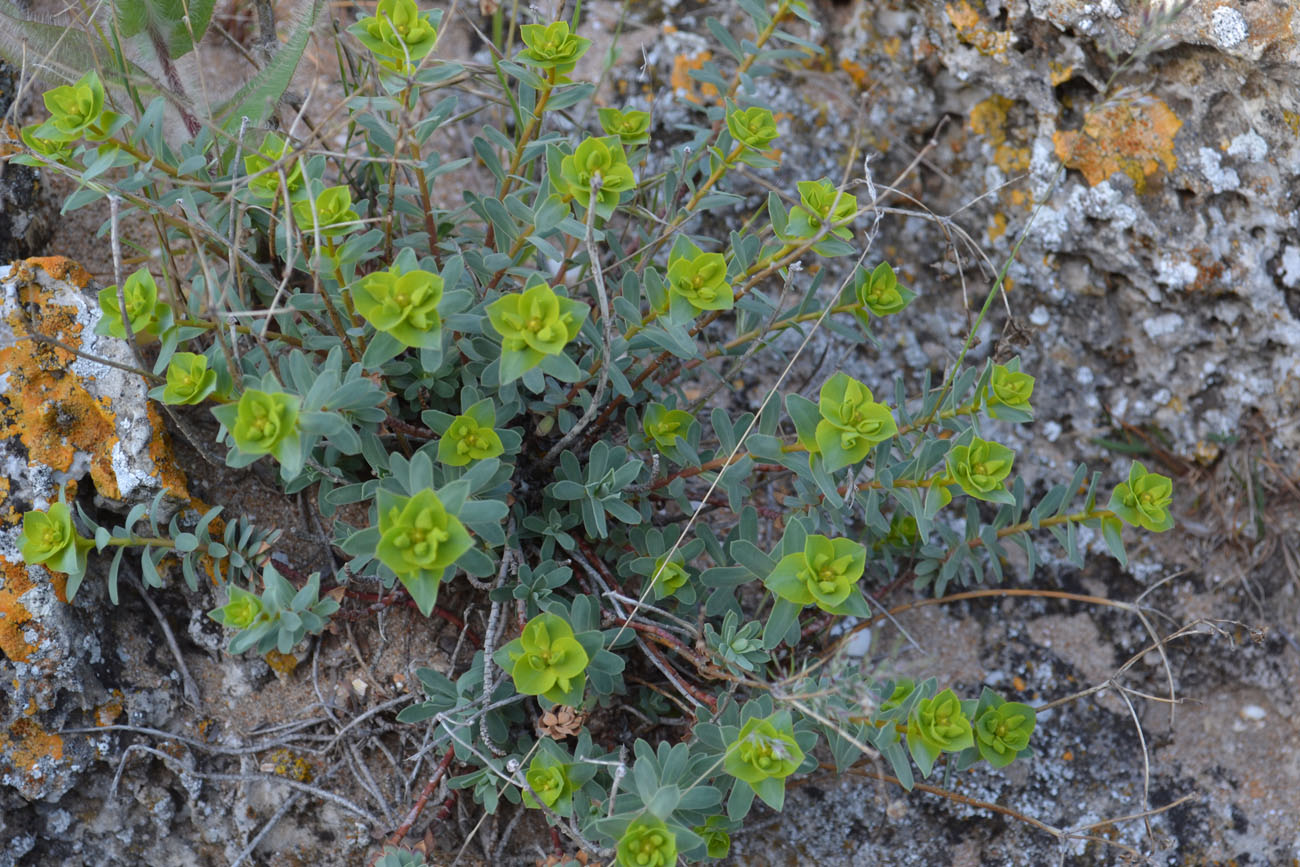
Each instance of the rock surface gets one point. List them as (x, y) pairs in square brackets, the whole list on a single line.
[(25, 211)]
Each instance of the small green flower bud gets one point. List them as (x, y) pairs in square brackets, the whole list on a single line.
[(471, 437), (549, 778), (981, 468), (547, 660), (764, 749), (647, 842), (398, 34), (264, 184), (941, 724), (631, 127), (665, 426), (265, 422), (189, 381), (333, 215), (1003, 730), (699, 279), (49, 538), (668, 576), (552, 46), (143, 308), (241, 611), (825, 573), (754, 127), (1009, 388)]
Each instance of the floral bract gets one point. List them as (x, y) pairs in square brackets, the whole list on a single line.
[(76, 111), (631, 127), (600, 162), (763, 754), (143, 309), (264, 183), (266, 423), (50, 538), (241, 611), (666, 426), (404, 305), (419, 540), (549, 779), (647, 842), (398, 34), (547, 660), (980, 469), (717, 840), (852, 423), (471, 437), (825, 573), (1144, 499), (699, 279), (669, 576), (938, 725), (333, 213), (1003, 730), (552, 46), (533, 324), (753, 127), (821, 204), (53, 149), (879, 290), (189, 381), (1009, 388)]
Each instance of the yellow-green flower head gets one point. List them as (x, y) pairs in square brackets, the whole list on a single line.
[(547, 660), (264, 184), (1003, 730), (189, 381), (52, 149), (549, 778), (1010, 388), (1144, 499), (533, 324), (700, 279), (50, 538), (241, 611), (764, 749), (75, 110), (941, 724), (552, 46), (265, 422), (826, 572), (879, 292), (647, 842), (333, 215), (821, 204), (666, 426), (632, 127), (602, 161), (143, 309), (471, 437), (903, 687), (980, 468), (852, 423), (754, 127), (669, 576), (417, 534), (398, 34), (404, 305)]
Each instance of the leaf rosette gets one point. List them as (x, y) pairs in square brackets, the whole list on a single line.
[(666, 426), (76, 111), (697, 281), (821, 204), (398, 34), (189, 380), (1003, 730), (632, 127), (403, 304), (668, 577), (332, 214)]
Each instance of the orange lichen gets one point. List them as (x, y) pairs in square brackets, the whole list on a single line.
[(989, 119), (681, 81), (284, 763), (857, 72), (282, 664), (1292, 119), (107, 713), (972, 31), (26, 743), (13, 615), (60, 268), (1059, 72), (1134, 136), (997, 226), (169, 474)]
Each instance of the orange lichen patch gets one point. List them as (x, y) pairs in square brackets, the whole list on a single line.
[(1292, 119), (997, 226), (61, 268), (170, 475), (47, 407), (681, 80), (26, 743), (107, 713), (282, 664), (857, 72), (972, 30), (1134, 136), (1018, 683), (989, 119), (13, 615), (1067, 756), (1059, 72), (284, 763)]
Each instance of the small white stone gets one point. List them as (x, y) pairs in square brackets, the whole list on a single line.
[(1052, 431), (1083, 375), (1162, 325), (1040, 317), (1250, 145), (1289, 270), (1253, 712), (1221, 179), (1229, 26)]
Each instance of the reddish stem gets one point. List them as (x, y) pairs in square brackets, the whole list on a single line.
[(429, 788)]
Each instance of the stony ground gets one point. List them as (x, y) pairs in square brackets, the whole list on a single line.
[(1156, 296)]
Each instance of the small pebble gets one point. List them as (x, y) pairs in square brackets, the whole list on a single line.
[(1253, 712)]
